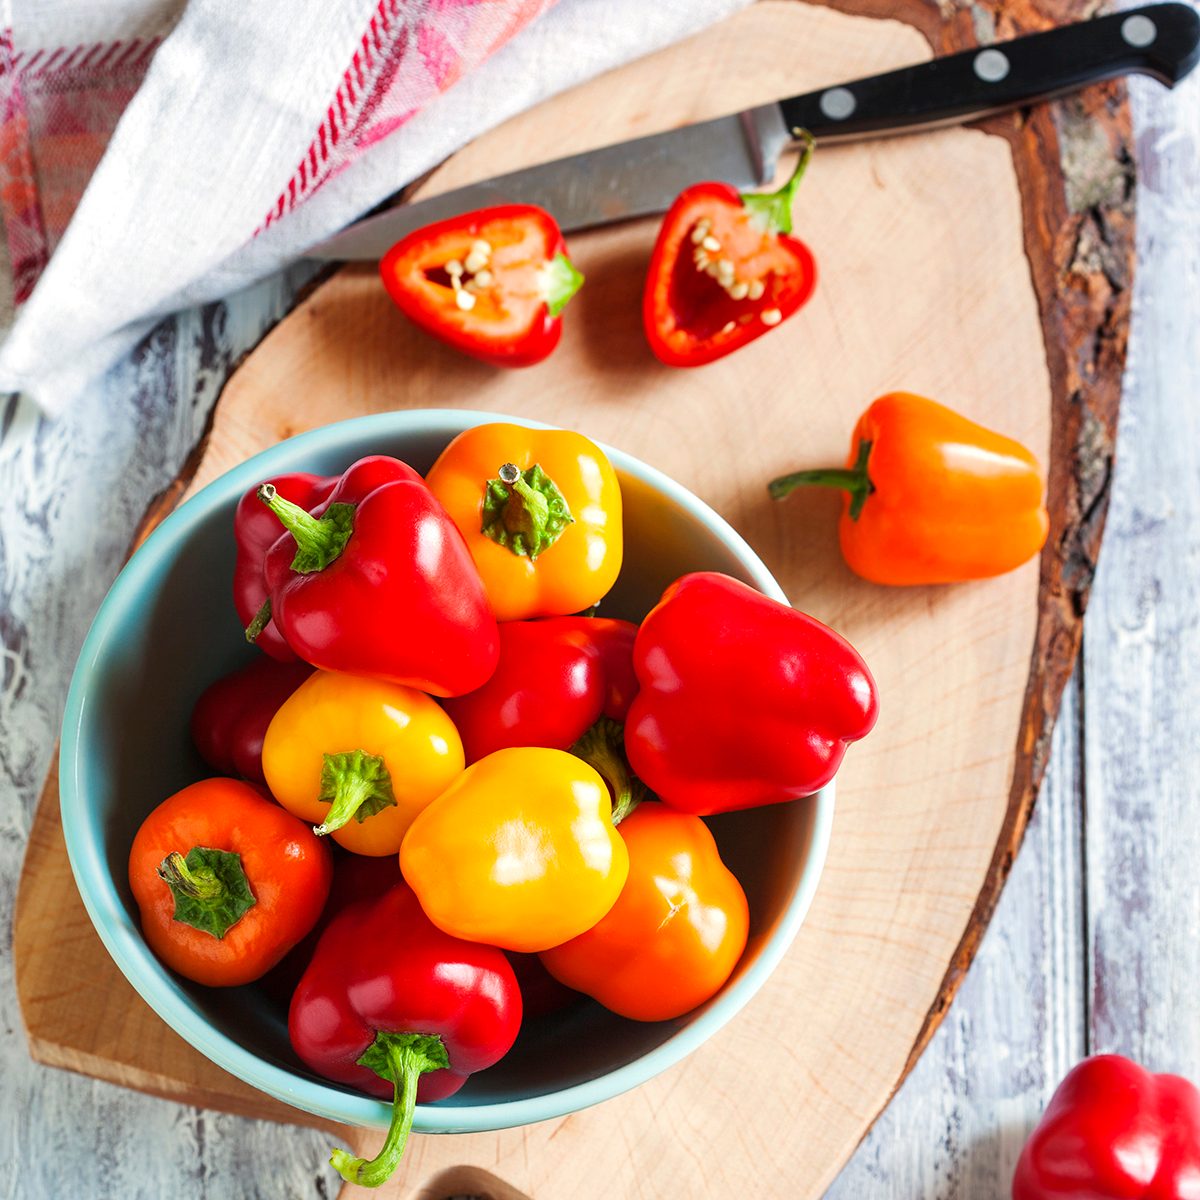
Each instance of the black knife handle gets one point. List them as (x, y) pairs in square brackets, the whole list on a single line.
[(1162, 40)]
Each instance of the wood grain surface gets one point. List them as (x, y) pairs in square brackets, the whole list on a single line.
[(343, 350)]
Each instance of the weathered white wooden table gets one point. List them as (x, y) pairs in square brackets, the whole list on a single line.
[(1093, 946)]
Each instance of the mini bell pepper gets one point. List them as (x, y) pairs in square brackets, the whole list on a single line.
[(491, 283), (613, 640), (1114, 1131), (724, 271), (395, 1007), (541, 512), (931, 497), (360, 756), (377, 581), (519, 852), (548, 690), (231, 717), (255, 531), (226, 882), (676, 932), (744, 701)]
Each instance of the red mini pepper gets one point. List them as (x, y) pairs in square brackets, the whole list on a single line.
[(378, 581), (491, 283), (231, 717), (255, 531), (394, 1006), (226, 882), (554, 679), (744, 701), (1114, 1131), (725, 270)]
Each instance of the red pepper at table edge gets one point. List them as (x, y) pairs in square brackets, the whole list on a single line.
[(394, 1006), (491, 283), (744, 701), (613, 639), (230, 719), (1114, 1131), (548, 689), (378, 581), (255, 531), (724, 271)]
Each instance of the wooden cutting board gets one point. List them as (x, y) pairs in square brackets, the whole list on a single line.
[(960, 264)]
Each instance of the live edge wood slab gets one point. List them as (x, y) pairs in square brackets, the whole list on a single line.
[(989, 267)]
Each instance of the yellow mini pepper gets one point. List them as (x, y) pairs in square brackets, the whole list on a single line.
[(541, 513), (361, 756), (519, 852)]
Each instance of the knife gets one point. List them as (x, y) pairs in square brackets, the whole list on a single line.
[(643, 176)]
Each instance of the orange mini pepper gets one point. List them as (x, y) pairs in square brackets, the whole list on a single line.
[(361, 756), (519, 852), (541, 513), (677, 929), (226, 882), (932, 497)]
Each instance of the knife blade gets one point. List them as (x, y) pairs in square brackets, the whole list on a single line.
[(643, 176)]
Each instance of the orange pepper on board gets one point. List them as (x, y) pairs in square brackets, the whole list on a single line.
[(677, 929), (361, 756), (541, 513), (932, 497), (519, 851)]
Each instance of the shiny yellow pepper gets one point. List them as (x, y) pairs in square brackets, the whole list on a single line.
[(519, 852), (361, 756), (541, 513)]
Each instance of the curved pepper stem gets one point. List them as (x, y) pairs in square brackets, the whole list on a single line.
[(355, 784), (603, 749), (524, 512), (774, 209), (210, 888), (319, 540), (401, 1059), (262, 619), (854, 480)]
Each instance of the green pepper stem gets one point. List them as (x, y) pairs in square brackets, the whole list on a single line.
[(401, 1059), (356, 784), (603, 749), (560, 280), (524, 511), (774, 209), (262, 619), (854, 480), (200, 884), (319, 540)]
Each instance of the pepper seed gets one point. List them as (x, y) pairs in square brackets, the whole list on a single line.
[(466, 301), (770, 316)]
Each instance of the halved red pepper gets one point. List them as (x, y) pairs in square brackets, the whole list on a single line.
[(725, 270), (492, 283)]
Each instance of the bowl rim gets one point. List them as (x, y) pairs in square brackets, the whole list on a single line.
[(159, 988)]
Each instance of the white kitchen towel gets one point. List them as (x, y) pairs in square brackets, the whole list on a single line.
[(258, 130)]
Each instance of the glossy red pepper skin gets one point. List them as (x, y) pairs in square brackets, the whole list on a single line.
[(691, 313), (512, 321), (255, 531), (231, 717), (613, 640), (401, 601), (548, 690), (744, 701), (381, 965), (1114, 1131)]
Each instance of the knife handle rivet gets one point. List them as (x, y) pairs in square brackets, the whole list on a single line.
[(1139, 30), (991, 65), (838, 103)]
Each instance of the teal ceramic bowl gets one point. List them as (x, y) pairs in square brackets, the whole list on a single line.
[(167, 629)]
